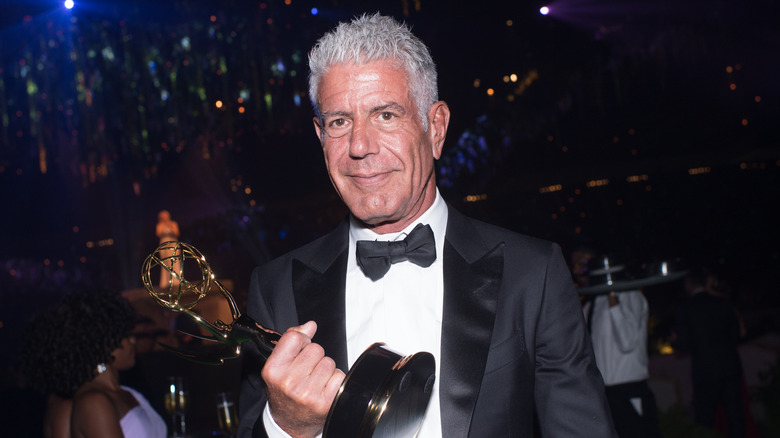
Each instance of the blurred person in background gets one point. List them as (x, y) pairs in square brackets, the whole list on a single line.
[(617, 322), (73, 352), (708, 327)]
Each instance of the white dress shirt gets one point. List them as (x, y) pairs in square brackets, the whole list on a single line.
[(403, 309), (619, 336)]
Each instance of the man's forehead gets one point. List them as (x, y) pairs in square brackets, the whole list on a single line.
[(366, 72), (371, 63), (366, 86)]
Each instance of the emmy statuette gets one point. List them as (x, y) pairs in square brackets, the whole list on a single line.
[(384, 394)]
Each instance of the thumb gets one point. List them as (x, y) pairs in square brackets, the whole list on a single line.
[(308, 329)]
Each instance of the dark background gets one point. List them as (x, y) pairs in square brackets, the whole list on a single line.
[(644, 129), (654, 120)]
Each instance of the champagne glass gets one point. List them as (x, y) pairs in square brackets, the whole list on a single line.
[(226, 414), (176, 398)]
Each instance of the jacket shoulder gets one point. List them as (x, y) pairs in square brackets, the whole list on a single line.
[(324, 249), (492, 235)]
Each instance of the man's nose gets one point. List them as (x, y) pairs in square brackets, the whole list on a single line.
[(362, 142)]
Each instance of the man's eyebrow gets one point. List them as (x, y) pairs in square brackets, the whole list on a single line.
[(379, 108), (389, 106), (338, 113)]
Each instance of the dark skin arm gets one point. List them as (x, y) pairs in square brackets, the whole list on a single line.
[(94, 415), (56, 423)]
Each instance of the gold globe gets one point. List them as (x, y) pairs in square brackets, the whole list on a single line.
[(179, 264)]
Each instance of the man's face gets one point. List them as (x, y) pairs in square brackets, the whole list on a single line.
[(378, 156), (579, 269)]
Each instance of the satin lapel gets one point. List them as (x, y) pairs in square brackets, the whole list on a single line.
[(319, 284), (472, 279)]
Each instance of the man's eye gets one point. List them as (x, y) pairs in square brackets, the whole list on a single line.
[(337, 127), (386, 116)]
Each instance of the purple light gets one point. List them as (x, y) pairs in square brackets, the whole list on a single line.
[(544, 10)]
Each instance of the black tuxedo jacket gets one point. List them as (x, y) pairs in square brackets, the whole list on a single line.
[(514, 341)]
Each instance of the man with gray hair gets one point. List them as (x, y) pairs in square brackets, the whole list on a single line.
[(498, 310)]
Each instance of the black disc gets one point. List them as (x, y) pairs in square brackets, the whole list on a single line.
[(384, 395)]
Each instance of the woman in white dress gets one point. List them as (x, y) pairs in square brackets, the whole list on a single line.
[(74, 352)]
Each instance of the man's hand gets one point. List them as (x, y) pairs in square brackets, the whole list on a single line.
[(301, 382), (613, 299)]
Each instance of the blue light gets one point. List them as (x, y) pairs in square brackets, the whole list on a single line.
[(69, 4), (314, 11)]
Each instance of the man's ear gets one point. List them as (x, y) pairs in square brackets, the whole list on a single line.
[(317, 127), (438, 121)]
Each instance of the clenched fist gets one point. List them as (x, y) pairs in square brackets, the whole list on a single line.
[(301, 382)]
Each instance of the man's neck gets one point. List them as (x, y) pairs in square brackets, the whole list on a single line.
[(400, 225)]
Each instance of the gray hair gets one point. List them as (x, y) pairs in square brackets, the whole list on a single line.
[(371, 38)]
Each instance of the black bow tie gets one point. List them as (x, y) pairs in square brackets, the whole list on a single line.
[(375, 257)]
